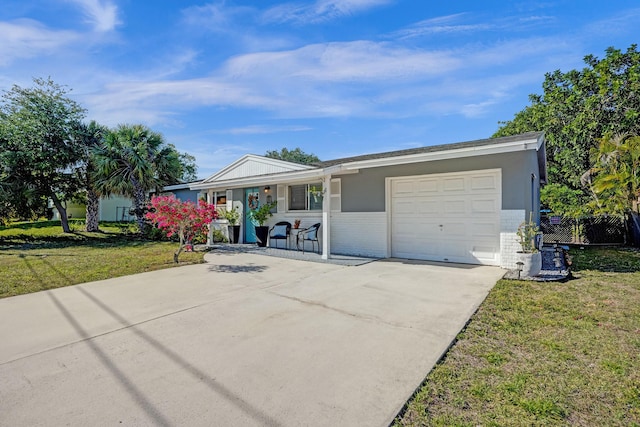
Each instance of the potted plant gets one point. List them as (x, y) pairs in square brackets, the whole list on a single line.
[(233, 216), (261, 215), (296, 224), (316, 192), (529, 256)]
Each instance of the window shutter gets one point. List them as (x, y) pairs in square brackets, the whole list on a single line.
[(336, 196), (281, 198), (229, 200)]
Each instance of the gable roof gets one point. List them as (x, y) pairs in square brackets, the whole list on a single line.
[(251, 165)]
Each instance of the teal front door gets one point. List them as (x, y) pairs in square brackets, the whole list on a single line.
[(251, 202)]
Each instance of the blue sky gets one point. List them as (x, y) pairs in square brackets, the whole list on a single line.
[(333, 77)]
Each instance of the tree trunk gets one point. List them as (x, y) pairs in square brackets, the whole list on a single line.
[(182, 242), (93, 206), (62, 212), (138, 200)]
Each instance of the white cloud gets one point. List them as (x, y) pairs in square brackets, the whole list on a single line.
[(441, 25), (313, 81), (358, 61), (319, 11), (262, 130), (26, 38), (625, 22), (361, 79), (216, 17), (102, 14)]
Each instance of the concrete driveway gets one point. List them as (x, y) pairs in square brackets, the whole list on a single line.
[(243, 340)]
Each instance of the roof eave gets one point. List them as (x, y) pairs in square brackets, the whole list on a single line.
[(521, 145), (260, 180)]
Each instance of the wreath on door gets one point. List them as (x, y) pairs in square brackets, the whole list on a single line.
[(253, 201)]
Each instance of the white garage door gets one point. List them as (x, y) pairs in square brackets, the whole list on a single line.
[(447, 217)]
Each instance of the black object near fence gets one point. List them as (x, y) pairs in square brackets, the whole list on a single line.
[(590, 230)]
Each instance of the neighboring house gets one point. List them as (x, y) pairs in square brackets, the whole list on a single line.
[(116, 208), (182, 191), (113, 208), (458, 202)]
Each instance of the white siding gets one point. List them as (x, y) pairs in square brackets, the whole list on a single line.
[(359, 233), (253, 167)]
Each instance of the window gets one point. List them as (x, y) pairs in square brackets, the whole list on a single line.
[(301, 200)]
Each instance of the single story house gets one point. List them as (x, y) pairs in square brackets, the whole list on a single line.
[(459, 202)]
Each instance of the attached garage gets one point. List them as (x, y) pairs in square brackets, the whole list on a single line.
[(453, 217)]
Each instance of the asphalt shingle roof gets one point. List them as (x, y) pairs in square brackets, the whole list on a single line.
[(431, 149)]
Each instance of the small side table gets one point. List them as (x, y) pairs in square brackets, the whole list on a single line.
[(294, 235)]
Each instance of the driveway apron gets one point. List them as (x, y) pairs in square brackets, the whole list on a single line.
[(244, 339)]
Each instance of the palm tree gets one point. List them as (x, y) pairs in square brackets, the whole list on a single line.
[(615, 178), (132, 161), (92, 136)]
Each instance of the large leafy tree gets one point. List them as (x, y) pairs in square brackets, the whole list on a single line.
[(6, 207), (189, 168), (39, 150), (577, 108), (133, 160), (296, 156)]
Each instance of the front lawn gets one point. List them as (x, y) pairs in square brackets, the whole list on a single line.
[(39, 256), (539, 354)]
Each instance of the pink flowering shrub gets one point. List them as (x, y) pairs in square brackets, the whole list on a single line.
[(184, 219)]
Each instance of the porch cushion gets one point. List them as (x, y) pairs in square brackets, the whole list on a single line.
[(279, 231)]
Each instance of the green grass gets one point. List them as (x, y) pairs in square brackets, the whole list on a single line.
[(39, 256), (538, 354)]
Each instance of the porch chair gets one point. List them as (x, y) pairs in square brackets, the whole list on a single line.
[(280, 231), (309, 234)]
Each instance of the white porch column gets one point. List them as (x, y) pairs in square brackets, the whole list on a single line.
[(210, 236), (326, 216)]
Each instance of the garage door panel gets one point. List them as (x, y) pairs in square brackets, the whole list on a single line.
[(408, 249), (488, 205), (484, 182), (455, 251), (453, 229), (404, 207), (486, 254), (453, 184), (484, 229), (427, 186), (417, 230), (429, 207), (455, 207), (447, 217), (404, 228), (413, 251), (401, 188)]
